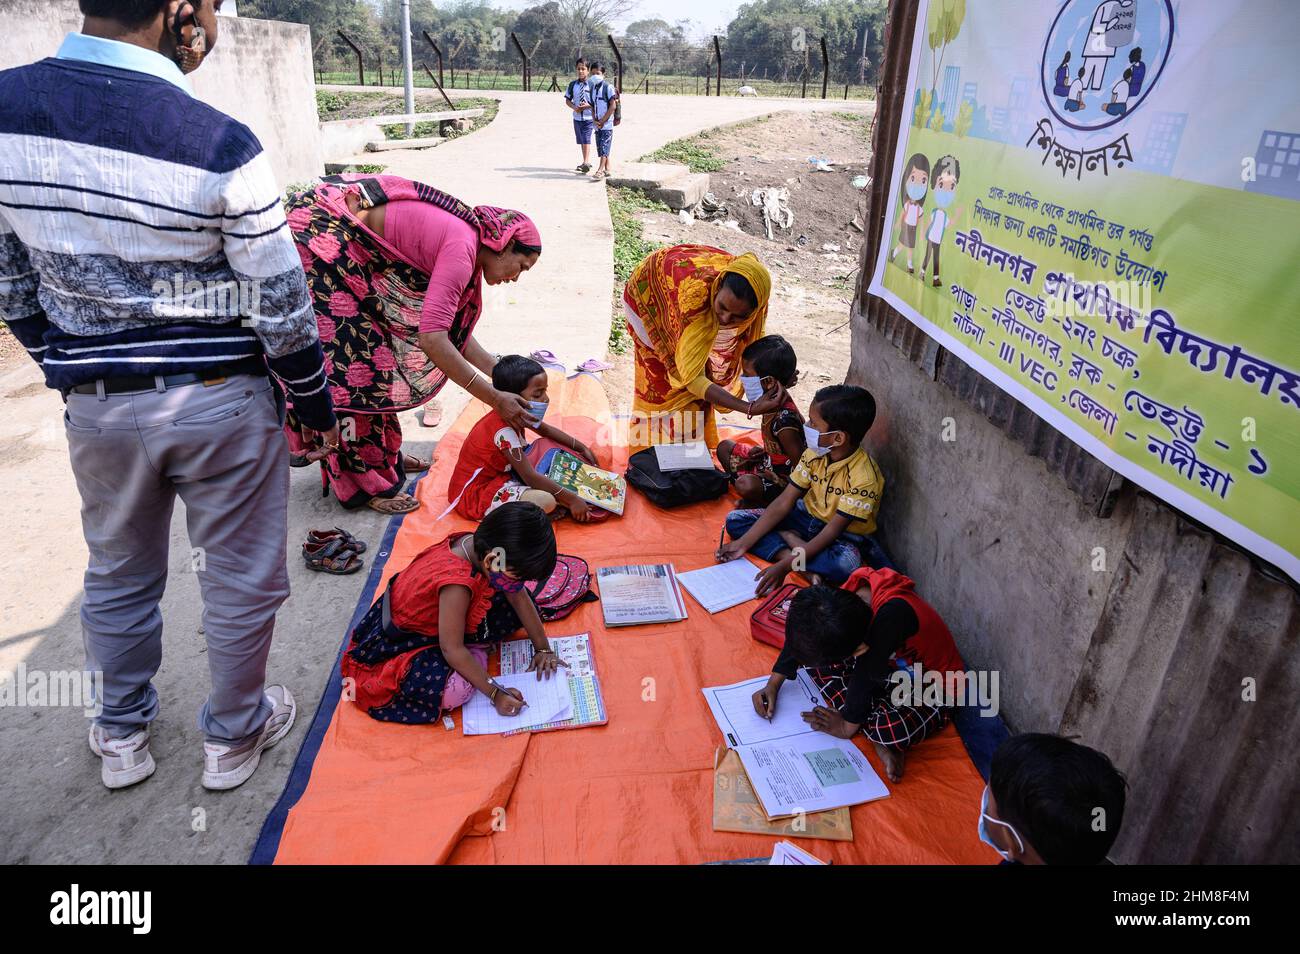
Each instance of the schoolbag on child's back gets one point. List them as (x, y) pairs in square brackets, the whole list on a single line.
[(568, 587)]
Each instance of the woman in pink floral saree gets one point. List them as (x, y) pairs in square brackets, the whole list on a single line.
[(396, 271)]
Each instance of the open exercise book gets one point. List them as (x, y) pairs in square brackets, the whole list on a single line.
[(694, 456), (721, 586), (737, 808), (584, 686), (793, 768), (601, 488), (547, 700), (646, 593)]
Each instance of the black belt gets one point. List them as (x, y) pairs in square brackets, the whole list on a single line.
[(146, 382)]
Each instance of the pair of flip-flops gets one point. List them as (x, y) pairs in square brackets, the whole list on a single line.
[(333, 551)]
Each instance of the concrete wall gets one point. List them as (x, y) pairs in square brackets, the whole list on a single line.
[(1110, 616), (259, 72)]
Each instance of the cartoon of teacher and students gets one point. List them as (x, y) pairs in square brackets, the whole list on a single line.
[(1112, 29), (917, 180)]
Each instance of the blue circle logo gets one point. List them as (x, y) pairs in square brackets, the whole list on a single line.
[(1102, 58)]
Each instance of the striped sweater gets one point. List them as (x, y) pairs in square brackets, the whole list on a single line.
[(142, 231)]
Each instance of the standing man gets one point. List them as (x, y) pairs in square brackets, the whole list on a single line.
[(146, 265), (577, 98), (604, 101)]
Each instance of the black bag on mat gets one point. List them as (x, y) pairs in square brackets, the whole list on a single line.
[(675, 488)]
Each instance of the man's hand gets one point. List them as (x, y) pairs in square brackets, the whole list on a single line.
[(831, 722), (773, 576)]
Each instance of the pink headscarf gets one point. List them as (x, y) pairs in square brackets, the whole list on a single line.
[(497, 227)]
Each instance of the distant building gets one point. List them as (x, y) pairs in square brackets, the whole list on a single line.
[(1162, 141), (998, 121), (1277, 165), (968, 91), (1018, 121)]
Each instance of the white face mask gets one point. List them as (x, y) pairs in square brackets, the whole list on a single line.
[(813, 438), (753, 387), (986, 819)]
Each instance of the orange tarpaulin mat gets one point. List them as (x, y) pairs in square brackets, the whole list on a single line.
[(638, 790)]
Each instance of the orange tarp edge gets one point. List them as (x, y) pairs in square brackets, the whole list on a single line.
[(638, 790)]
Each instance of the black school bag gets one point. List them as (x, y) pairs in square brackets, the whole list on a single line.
[(676, 488)]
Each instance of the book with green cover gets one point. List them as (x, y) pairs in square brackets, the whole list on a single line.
[(601, 488)]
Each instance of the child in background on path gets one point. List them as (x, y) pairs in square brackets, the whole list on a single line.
[(848, 638), (761, 473), (420, 652), (823, 519), (577, 97), (603, 98), (496, 466), (1051, 801)]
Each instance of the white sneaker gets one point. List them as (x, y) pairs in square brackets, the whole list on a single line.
[(123, 762), (229, 766)]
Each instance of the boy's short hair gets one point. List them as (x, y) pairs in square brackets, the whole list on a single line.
[(1050, 789), (581, 61), (522, 533), (825, 625), (847, 408), (594, 67), (772, 357), (126, 12), (513, 372)]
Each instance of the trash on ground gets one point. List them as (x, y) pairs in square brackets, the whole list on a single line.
[(776, 211)]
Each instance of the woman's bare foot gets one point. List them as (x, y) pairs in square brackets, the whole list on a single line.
[(893, 760), (398, 503)]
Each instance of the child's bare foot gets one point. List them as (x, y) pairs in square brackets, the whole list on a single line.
[(893, 760)]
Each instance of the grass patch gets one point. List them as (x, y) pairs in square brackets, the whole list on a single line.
[(630, 247), (489, 106), (691, 152)]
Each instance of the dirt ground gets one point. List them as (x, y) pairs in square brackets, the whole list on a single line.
[(812, 287)]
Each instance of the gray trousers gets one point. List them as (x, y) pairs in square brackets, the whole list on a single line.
[(222, 449)]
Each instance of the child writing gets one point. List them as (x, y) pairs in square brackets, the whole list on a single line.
[(578, 99), (828, 511), (496, 466), (848, 639), (761, 473), (419, 651)]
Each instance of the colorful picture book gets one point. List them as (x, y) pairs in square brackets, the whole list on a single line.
[(601, 488)]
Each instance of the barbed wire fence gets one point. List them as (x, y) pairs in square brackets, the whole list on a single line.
[(793, 64)]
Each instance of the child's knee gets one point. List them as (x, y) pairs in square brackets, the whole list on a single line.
[(542, 498), (738, 521)]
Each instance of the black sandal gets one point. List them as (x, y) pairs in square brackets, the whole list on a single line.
[(331, 556), (338, 533)]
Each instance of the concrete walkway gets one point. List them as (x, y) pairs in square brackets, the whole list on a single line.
[(52, 806)]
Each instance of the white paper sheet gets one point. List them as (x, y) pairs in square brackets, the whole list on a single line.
[(694, 456), (630, 595), (548, 700), (788, 853), (721, 586), (813, 772), (733, 708)]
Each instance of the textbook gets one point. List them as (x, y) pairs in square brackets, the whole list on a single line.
[(694, 456), (601, 488), (723, 585), (736, 807), (584, 686), (632, 595)]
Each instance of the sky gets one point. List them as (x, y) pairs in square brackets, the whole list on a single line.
[(706, 14)]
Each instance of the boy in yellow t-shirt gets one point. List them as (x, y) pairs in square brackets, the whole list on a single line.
[(828, 512)]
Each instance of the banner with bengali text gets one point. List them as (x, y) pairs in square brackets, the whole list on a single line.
[(1096, 205)]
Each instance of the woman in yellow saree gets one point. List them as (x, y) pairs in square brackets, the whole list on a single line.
[(692, 310)]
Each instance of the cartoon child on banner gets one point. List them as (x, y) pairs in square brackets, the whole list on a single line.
[(947, 173), (916, 183), (1112, 28)]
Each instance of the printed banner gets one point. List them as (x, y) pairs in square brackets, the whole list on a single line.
[(1094, 203)]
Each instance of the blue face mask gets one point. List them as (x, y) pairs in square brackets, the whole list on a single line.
[(985, 837), (537, 409), (915, 191), (812, 437), (943, 197), (753, 387)]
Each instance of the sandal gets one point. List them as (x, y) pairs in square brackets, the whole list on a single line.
[(331, 557), (413, 465), (396, 506), (349, 541)]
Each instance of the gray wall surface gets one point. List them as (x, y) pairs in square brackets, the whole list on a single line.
[(259, 72)]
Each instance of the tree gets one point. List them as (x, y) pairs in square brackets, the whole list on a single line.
[(942, 27)]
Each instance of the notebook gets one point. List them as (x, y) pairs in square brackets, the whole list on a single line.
[(600, 488), (633, 595), (721, 586), (786, 853), (737, 808), (584, 686), (547, 700), (693, 456)]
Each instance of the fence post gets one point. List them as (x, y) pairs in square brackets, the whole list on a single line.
[(717, 49), (826, 67), (523, 56), (846, 91), (445, 97), (361, 68), (803, 94), (438, 53), (618, 56)]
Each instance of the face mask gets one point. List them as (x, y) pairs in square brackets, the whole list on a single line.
[(189, 57), (943, 197), (753, 387), (538, 409), (813, 438), (915, 191), (986, 819), (503, 583)]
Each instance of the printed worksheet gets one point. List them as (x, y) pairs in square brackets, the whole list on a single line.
[(631, 595), (807, 773), (722, 585), (733, 708), (547, 700), (694, 456)]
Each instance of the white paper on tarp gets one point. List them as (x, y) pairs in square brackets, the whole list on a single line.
[(722, 585), (548, 700), (813, 772), (733, 708), (692, 456)]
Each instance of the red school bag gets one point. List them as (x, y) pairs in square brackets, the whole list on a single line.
[(568, 586), (767, 624)]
